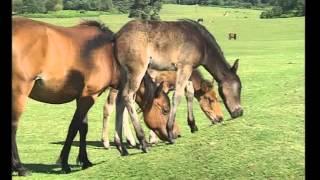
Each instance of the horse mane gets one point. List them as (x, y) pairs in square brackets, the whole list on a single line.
[(206, 34), (100, 25), (97, 41)]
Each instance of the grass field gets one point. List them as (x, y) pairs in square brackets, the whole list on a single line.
[(266, 143)]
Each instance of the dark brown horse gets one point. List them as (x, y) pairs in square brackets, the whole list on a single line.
[(200, 88), (175, 46), (232, 36), (56, 65)]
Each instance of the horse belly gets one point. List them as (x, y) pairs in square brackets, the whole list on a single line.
[(55, 91)]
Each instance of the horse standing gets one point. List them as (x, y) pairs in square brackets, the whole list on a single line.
[(56, 65), (175, 46)]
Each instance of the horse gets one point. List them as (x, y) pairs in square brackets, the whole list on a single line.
[(167, 45), (232, 36), (201, 88), (57, 65), (157, 124)]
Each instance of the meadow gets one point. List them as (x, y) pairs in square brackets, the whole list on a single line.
[(266, 143)]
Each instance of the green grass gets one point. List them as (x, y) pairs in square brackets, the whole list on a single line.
[(266, 143)]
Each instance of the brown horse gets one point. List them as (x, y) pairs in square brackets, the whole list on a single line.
[(175, 46), (56, 65), (201, 88)]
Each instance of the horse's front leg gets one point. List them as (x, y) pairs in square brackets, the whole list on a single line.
[(107, 110), (83, 106), (183, 75), (127, 130), (189, 92)]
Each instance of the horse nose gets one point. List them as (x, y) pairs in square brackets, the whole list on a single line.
[(238, 112), (220, 118)]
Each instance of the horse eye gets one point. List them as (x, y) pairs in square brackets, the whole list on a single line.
[(165, 111)]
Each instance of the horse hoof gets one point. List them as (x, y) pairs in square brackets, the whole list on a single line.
[(171, 141), (124, 153), (66, 170), (144, 149), (86, 165), (194, 129), (23, 172), (106, 145)]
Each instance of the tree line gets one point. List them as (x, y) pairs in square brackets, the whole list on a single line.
[(149, 9)]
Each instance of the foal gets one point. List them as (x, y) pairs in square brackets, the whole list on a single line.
[(174, 46)]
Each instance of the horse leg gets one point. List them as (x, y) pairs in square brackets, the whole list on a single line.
[(153, 138), (130, 88), (183, 75), (189, 91), (83, 106), (118, 133), (83, 156), (127, 130), (107, 110), (19, 96)]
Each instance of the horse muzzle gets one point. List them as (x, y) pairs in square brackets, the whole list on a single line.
[(237, 113)]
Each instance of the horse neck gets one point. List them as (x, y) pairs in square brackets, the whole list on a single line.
[(216, 64)]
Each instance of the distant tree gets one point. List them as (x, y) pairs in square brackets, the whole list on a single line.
[(33, 6), (17, 6), (145, 9)]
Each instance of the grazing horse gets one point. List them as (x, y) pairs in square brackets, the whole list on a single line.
[(156, 123), (168, 45), (56, 65), (200, 88), (232, 36)]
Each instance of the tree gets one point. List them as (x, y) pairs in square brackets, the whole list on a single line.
[(34, 6), (17, 6)]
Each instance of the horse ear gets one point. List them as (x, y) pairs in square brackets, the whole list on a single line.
[(234, 68), (158, 90)]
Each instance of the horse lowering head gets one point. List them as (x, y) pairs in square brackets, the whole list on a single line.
[(209, 103), (156, 113), (230, 91)]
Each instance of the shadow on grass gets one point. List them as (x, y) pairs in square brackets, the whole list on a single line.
[(48, 168), (97, 144), (52, 168)]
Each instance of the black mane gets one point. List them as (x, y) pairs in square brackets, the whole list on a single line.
[(97, 41), (207, 35)]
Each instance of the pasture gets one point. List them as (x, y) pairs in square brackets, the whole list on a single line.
[(266, 143)]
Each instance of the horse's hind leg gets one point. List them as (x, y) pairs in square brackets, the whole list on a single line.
[(20, 94), (119, 119), (127, 130), (107, 110), (130, 88), (83, 106), (183, 75), (189, 91)]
